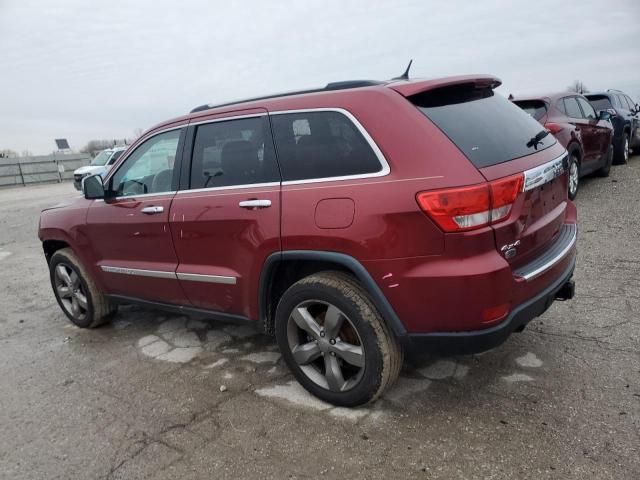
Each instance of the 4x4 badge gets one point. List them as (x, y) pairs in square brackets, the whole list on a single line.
[(510, 249)]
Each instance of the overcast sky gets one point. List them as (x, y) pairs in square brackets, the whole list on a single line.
[(102, 69)]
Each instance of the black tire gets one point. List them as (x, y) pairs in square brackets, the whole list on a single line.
[(605, 170), (621, 156), (98, 308), (573, 177), (382, 355)]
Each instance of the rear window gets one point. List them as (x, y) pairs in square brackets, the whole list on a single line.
[(536, 108), (315, 145), (485, 126), (600, 102)]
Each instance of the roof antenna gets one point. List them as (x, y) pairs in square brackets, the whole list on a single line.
[(405, 75)]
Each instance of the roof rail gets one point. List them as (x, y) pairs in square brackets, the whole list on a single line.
[(329, 87)]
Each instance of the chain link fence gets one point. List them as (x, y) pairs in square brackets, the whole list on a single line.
[(40, 169)]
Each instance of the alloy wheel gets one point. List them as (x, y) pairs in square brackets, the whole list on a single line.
[(70, 291), (326, 345), (626, 149), (573, 177)]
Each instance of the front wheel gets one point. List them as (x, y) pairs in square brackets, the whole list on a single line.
[(78, 296), (574, 176), (334, 340)]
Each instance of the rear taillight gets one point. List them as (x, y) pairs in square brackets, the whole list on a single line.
[(467, 208), (553, 127)]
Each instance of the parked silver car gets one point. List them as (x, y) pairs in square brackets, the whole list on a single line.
[(100, 165)]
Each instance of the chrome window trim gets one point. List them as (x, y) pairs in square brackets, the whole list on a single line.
[(223, 119), (537, 176), (230, 187), (546, 266), (197, 277), (139, 272), (385, 169)]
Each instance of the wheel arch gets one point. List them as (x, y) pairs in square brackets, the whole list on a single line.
[(283, 269), (575, 147), (51, 246)]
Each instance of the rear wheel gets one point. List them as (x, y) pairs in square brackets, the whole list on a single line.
[(75, 291), (606, 169), (334, 340), (622, 152), (574, 175)]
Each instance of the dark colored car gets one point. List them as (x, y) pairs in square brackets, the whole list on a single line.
[(356, 222), (585, 134), (624, 117)]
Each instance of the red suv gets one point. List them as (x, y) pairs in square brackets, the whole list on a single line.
[(587, 135), (357, 223)]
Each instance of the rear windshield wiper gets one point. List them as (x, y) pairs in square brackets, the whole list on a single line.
[(534, 141)]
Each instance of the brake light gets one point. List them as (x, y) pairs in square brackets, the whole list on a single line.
[(468, 208), (553, 127)]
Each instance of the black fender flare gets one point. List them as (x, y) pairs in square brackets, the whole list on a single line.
[(380, 301)]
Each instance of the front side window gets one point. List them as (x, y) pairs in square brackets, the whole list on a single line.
[(315, 145), (572, 108), (632, 105), (587, 109), (149, 169), (233, 152)]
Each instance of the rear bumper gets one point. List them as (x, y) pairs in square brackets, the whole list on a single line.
[(451, 343)]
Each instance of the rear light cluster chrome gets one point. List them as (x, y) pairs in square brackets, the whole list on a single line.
[(468, 208)]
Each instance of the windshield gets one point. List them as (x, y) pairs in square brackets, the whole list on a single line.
[(485, 126), (101, 158)]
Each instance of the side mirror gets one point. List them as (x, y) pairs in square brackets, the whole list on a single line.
[(92, 187), (604, 115)]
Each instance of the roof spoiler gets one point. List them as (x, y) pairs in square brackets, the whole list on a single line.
[(410, 88)]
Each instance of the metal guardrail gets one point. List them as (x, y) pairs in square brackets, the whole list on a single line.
[(40, 169)]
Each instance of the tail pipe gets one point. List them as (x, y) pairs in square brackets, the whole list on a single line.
[(567, 291)]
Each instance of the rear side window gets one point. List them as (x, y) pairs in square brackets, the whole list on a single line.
[(314, 145), (485, 126), (560, 106), (600, 102), (616, 101), (572, 108), (233, 152), (536, 108)]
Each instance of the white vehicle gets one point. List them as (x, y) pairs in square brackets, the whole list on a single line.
[(100, 165)]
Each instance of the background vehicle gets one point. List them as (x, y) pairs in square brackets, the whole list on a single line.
[(585, 134), (624, 117), (354, 240), (100, 165)]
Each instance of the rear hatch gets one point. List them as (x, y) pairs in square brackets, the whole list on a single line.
[(524, 167)]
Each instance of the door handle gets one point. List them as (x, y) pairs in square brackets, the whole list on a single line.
[(152, 210), (255, 204)]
